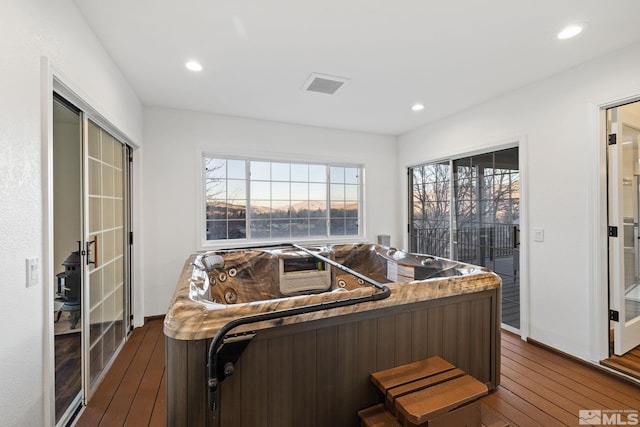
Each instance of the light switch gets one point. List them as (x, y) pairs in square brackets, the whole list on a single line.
[(538, 234), (32, 271)]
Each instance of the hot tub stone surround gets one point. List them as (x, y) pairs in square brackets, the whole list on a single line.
[(191, 318)]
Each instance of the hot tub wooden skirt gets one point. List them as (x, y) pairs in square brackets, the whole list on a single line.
[(317, 373)]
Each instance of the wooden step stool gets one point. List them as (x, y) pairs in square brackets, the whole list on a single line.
[(431, 393), (377, 416)]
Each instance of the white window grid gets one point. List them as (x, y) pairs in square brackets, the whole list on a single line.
[(337, 214)]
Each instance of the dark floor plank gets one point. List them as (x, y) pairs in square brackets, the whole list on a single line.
[(93, 413), (575, 386), (512, 408), (539, 397), (68, 374), (622, 365), (120, 405), (622, 391), (159, 414), (628, 363), (144, 401)]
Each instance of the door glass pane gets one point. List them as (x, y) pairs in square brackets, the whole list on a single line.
[(466, 211), (630, 172), (106, 225), (67, 223), (487, 199), (430, 212)]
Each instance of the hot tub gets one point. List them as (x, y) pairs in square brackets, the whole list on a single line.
[(313, 323), (261, 275)]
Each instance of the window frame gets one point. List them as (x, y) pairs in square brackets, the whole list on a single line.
[(205, 243)]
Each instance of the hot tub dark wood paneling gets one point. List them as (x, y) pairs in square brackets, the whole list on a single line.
[(316, 374)]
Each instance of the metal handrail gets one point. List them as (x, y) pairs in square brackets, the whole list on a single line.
[(216, 343)]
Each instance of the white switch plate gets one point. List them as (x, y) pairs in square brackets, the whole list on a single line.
[(32, 271), (538, 234)]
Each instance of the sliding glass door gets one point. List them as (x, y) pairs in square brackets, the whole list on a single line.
[(91, 171), (105, 246), (468, 209)]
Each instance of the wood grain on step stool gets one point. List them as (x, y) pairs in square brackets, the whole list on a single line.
[(377, 416), (465, 416), (403, 374), (423, 405), (396, 392)]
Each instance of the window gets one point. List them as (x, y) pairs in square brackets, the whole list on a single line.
[(270, 200)]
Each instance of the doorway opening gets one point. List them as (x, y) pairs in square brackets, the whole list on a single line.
[(623, 212), (91, 253), (468, 209)]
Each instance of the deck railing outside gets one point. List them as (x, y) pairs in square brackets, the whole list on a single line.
[(471, 244)]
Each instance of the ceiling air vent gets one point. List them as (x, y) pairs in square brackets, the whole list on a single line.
[(324, 83)]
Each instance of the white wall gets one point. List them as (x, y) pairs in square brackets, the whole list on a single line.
[(30, 29), (173, 141), (558, 119)]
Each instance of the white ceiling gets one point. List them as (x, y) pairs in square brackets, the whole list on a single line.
[(257, 54)]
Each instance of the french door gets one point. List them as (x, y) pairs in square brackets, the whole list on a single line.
[(623, 129), (468, 209)]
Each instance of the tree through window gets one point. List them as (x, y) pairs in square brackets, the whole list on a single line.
[(468, 209), (270, 200)]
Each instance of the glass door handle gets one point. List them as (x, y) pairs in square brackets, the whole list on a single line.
[(95, 251), (516, 243)]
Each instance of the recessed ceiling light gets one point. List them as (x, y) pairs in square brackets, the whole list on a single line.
[(571, 31), (417, 107), (193, 66)]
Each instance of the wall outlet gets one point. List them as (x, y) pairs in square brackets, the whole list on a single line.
[(33, 270)]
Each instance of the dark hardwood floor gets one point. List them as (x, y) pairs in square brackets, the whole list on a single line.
[(133, 391), (68, 370), (538, 387), (629, 363)]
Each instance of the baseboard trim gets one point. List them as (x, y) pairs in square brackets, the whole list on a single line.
[(156, 317), (599, 367)]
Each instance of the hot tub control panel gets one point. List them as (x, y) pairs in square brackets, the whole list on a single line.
[(302, 275)]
